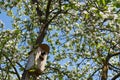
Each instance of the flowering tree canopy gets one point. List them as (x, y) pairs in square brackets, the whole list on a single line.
[(83, 35)]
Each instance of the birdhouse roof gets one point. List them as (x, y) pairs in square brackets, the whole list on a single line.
[(45, 47)]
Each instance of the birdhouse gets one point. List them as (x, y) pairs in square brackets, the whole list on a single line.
[(37, 59)]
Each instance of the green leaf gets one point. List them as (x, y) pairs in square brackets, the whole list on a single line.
[(103, 1), (117, 4), (9, 13)]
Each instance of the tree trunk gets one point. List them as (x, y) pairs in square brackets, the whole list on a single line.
[(104, 71), (25, 75)]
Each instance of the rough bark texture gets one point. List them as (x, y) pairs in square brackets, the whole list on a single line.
[(105, 68), (104, 71), (25, 75)]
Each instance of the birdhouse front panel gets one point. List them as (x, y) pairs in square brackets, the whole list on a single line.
[(37, 59), (41, 62)]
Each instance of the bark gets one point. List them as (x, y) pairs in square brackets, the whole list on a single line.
[(43, 32), (104, 74), (25, 75), (104, 71)]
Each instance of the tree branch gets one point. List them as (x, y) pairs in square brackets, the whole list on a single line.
[(115, 54), (114, 68), (39, 12), (12, 72), (56, 14), (48, 9), (16, 72), (116, 76), (93, 73), (43, 32)]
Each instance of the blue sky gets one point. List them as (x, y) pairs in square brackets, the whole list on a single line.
[(6, 20)]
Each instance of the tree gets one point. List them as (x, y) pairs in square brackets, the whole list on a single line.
[(84, 37)]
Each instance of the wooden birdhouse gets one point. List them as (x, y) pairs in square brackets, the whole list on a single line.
[(37, 59)]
